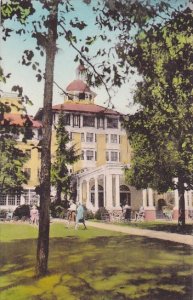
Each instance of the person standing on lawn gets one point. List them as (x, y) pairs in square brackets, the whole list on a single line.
[(80, 216)]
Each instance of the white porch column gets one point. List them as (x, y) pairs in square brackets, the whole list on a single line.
[(87, 194), (150, 197), (96, 193), (144, 198), (104, 189), (150, 213), (176, 199), (80, 191), (117, 188), (109, 197)]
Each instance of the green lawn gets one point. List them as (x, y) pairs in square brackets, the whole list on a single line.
[(166, 226), (93, 264)]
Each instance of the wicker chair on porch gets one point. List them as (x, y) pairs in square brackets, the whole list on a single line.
[(167, 212)]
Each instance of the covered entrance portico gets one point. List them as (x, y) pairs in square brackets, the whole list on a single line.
[(105, 187)]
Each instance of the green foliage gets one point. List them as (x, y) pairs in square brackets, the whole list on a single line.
[(22, 211), (89, 215), (65, 155), (11, 166), (59, 210), (20, 9), (99, 212), (3, 213), (161, 131)]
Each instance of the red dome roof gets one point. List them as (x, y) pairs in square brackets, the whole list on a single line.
[(78, 86)]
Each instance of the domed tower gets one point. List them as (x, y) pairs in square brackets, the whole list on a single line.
[(78, 90)]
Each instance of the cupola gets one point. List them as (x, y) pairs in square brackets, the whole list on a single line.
[(78, 90)]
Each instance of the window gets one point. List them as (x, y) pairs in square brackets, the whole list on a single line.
[(28, 133), (114, 156), (89, 155), (72, 135), (39, 133), (2, 199), (26, 196), (28, 152), (88, 121), (18, 199), (82, 155), (112, 123), (54, 118), (81, 96), (106, 138), (89, 137), (100, 123), (107, 156), (27, 172), (11, 199), (82, 137), (67, 119), (76, 120), (114, 139)]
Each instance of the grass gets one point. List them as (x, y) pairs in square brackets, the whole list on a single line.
[(162, 226), (93, 264)]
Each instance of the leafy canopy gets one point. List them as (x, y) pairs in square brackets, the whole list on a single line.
[(161, 131)]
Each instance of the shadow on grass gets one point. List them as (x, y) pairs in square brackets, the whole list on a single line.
[(98, 268), (166, 227)]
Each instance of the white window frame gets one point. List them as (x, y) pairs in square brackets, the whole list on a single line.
[(114, 139), (90, 155), (89, 137), (114, 156)]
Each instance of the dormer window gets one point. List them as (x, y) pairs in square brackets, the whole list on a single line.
[(112, 123), (89, 121), (82, 96), (76, 120), (67, 119), (100, 122)]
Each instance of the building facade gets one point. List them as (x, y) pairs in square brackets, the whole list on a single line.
[(105, 152)]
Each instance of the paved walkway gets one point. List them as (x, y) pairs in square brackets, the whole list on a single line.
[(173, 237)]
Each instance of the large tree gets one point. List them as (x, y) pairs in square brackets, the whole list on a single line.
[(161, 130), (65, 155), (51, 21)]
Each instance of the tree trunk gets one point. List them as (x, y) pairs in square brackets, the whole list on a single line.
[(181, 191), (44, 220), (58, 194)]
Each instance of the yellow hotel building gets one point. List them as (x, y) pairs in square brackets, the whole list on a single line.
[(105, 152)]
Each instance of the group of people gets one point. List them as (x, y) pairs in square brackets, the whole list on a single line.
[(126, 209), (76, 214)]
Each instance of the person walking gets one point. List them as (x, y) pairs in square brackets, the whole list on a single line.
[(80, 216), (71, 215)]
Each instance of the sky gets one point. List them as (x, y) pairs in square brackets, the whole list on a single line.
[(65, 68)]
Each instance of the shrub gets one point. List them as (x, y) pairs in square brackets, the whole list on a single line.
[(58, 211), (100, 211), (89, 214), (3, 213), (22, 211)]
